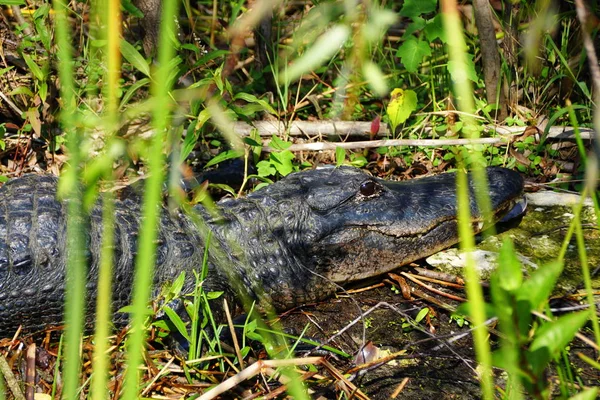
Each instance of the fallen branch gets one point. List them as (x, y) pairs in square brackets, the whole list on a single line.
[(325, 128), (319, 146)]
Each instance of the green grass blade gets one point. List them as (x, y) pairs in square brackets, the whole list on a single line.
[(146, 256), (457, 49), (76, 266)]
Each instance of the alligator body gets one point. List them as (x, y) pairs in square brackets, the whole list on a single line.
[(290, 243)]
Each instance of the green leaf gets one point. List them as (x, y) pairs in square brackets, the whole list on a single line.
[(177, 285), (412, 52), (553, 336), (324, 48), (213, 295), (588, 394), (510, 276), (401, 106), (417, 24), (434, 29), (415, 8), (283, 162), (22, 90), (279, 144), (189, 142), (460, 71), (132, 89), (226, 155), (12, 2), (253, 99), (340, 156), (41, 24), (36, 71), (538, 287), (375, 78), (264, 168), (421, 315), (134, 57), (131, 9), (177, 321)]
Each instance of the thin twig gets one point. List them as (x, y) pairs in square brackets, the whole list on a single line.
[(9, 378)]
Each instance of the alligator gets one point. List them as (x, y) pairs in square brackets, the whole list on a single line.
[(293, 242)]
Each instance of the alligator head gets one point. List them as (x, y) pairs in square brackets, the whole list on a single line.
[(341, 224)]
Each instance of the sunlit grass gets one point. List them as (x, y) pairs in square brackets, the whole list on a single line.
[(76, 268), (146, 256)]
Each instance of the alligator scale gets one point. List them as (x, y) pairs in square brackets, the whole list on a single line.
[(290, 243)]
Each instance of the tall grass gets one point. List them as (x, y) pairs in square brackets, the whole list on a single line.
[(457, 49), (146, 256), (76, 266)]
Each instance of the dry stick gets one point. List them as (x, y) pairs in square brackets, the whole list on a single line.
[(363, 129), (432, 289), (253, 370), (10, 379), (441, 276), (157, 375), (389, 142), (400, 388), (438, 281), (30, 372), (236, 345)]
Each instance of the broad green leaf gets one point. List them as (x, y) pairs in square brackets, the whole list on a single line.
[(588, 394), (538, 287), (12, 2), (282, 162), (375, 78), (177, 321), (510, 276), (412, 52), (340, 156), (131, 9), (553, 336), (434, 29), (134, 57), (264, 168), (251, 142), (415, 8), (417, 24), (36, 71), (401, 106), (226, 155), (324, 48), (279, 144), (461, 72), (253, 99)]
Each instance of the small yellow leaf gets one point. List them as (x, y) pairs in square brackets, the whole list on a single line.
[(401, 106)]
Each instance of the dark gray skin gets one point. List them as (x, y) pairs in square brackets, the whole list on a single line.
[(289, 243)]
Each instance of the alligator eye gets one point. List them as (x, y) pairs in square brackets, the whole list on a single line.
[(367, 189)]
